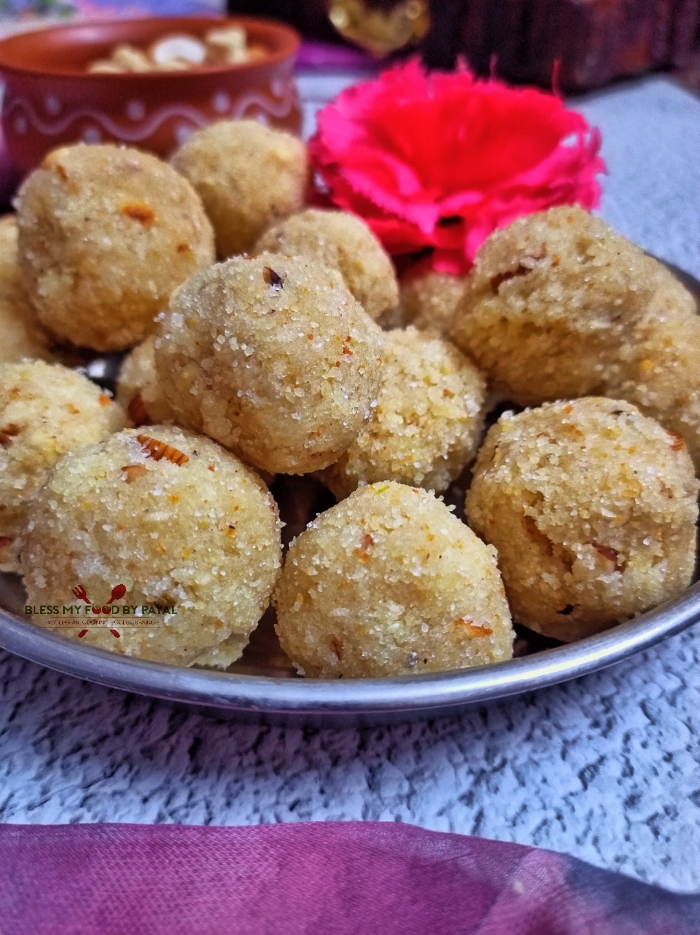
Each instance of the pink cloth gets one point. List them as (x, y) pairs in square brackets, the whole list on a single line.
[(312, 879)]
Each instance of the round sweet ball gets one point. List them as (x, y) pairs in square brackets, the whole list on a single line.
[(105, 235), (389, 582), (549, 303), (138, 387), (45, 411), (273, 358), (429, 299), (21, 335), (248, 176), (427, 421), (592, 508), (340, 241), (176, 528)]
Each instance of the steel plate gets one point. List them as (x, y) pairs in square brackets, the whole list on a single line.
[(262, 686), (275, 699)]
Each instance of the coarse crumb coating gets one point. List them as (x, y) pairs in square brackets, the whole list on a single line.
[(389, 582), (21, 335), (138, 387), (672, 298), (340, 241), (45, 411), (248, 176), (272, 357), (429, 299), (139, 392), (550, 302), (105, 235), (592, 508), (660, 373), (427, 421), (195, 530)]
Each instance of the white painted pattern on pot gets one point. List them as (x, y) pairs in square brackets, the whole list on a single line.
[(22, 115), (221, 102), (21, 110), (135, 110), (278, 107), (53, 105)]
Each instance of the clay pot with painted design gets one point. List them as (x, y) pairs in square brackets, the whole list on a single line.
[(52, 99)]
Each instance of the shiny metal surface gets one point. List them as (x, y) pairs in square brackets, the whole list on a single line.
[(356, 703)]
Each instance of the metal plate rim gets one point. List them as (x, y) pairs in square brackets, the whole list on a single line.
[(423, 696)]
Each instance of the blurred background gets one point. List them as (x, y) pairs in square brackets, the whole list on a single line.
[(594, 41), (17, 15), (578, 44)]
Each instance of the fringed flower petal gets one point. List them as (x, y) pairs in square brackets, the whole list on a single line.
[(441, 160)]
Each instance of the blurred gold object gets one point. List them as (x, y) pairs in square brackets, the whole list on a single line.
[(380, 31)]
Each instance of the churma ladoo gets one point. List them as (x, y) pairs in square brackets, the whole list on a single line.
[(105, 235), (138, 387), (340, 241), (550, 302), (181, 524), (273, 358), (429, 299), (592, 507), (427, 422), (21, 335), (248, 176), (389, 582), (45, 411)]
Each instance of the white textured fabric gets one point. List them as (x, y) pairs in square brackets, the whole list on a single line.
[(606, 769), (651, 142)]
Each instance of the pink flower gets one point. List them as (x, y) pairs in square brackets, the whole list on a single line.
[(442, 160)]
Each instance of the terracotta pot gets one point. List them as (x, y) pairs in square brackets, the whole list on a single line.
[(51, 99)]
